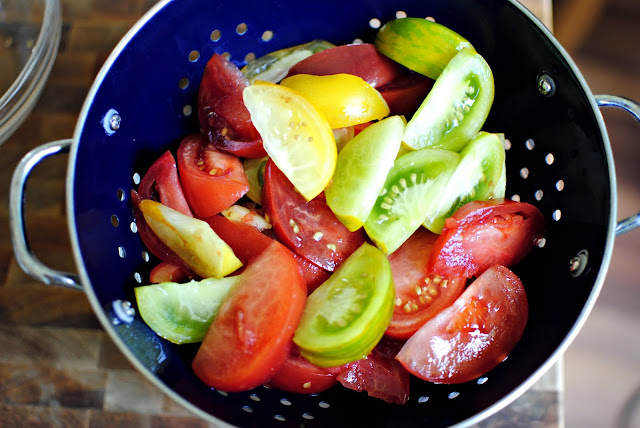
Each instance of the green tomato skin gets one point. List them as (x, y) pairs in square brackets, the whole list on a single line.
[(361, 168), (420, 45), (457, 106), (476, 177), (346, 316), (409, 196), (182, 313)]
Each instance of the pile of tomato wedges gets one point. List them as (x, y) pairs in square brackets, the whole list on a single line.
[(339, 218)]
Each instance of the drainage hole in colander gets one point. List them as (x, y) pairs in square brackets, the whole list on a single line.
[(249, 57), (423, 399), (122, 252), (285, 402), (145, 256), (401, 14), (183, 83), (279, 418), (215, 35), (267, 36), (187, 110), (247, 409), (453, 395), (224, 394), (557, 214), (122, 195), (241, 29), (538, 195), (507, 144), (542, 242), (560, 185), (374, 23), (482, 380), (137, 277), (530, 144), (115, 221), (134, 227), (194, 55), (324, 405), (549, 159), (136, 178), (307, 416), (524, 172), (254, 397), (515, 197)]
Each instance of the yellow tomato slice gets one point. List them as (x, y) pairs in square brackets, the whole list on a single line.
[(295, 135), (344, 99)]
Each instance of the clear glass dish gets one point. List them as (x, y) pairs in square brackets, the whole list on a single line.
[(29, 40)]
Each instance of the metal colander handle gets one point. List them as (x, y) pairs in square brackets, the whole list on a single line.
[(25, 257), (632, 107)]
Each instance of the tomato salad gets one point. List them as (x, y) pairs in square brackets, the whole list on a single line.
[(339, 218)]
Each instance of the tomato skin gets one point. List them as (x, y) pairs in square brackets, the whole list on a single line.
[(250, 338), (473, 335), (379, 374), (483, 233), (212, 180), (221, 110), (310, 229), (362, 60), (247, 242), (405, 94), (420, 294), (298, 375), (168, 272), (161, 183)]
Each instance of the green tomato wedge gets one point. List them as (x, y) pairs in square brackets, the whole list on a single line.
[(457, 106), (409, 196), (274, 66), (501, 187), (182, 313), (475, 178), (361, 169), (346, 316), (420, 45), (254, 169)]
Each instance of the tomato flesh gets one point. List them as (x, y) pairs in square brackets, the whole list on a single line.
[(310, 229), (484, 233), (405, 94), (169, 272), (161, 183), (420, 294), (472, 336), (300, 376), (249, 340), (212, 180), (221, 111)]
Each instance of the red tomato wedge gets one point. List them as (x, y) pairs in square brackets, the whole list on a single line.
[(379, 374), (249, 339), (310, 229), (169, 272), (221, 110), (212, 180), (484, 233), (420, 295), (405, 93), (247, 242), (300, 376), (161, 183), (362, 60), (473, 335)]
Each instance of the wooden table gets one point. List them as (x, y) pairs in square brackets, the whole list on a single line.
[(57, 365)]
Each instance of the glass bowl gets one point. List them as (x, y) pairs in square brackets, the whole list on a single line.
[(29, 39)]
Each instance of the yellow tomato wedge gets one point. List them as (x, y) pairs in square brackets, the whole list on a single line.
[(295, 135), (344, 99), (191, 239)]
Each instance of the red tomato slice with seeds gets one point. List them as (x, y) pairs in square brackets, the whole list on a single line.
[(212, 180), (169, 272), (420, 295), (310, 229), (249, 339), (472, 336), (222, 113), (161, 183), (484, 233), (300, 376), (362, 60)]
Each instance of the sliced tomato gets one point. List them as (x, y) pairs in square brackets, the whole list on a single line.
[(221, 111), (161, 183), (420, 294), (249, 340), (483, 233), (300, 376), (308, 228), (379, 374), (472, 336), (362, 60), (212, 180), (247, 242), (169, 272), (405, 93)]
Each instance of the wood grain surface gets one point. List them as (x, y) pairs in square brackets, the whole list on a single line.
[(57, 366)]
